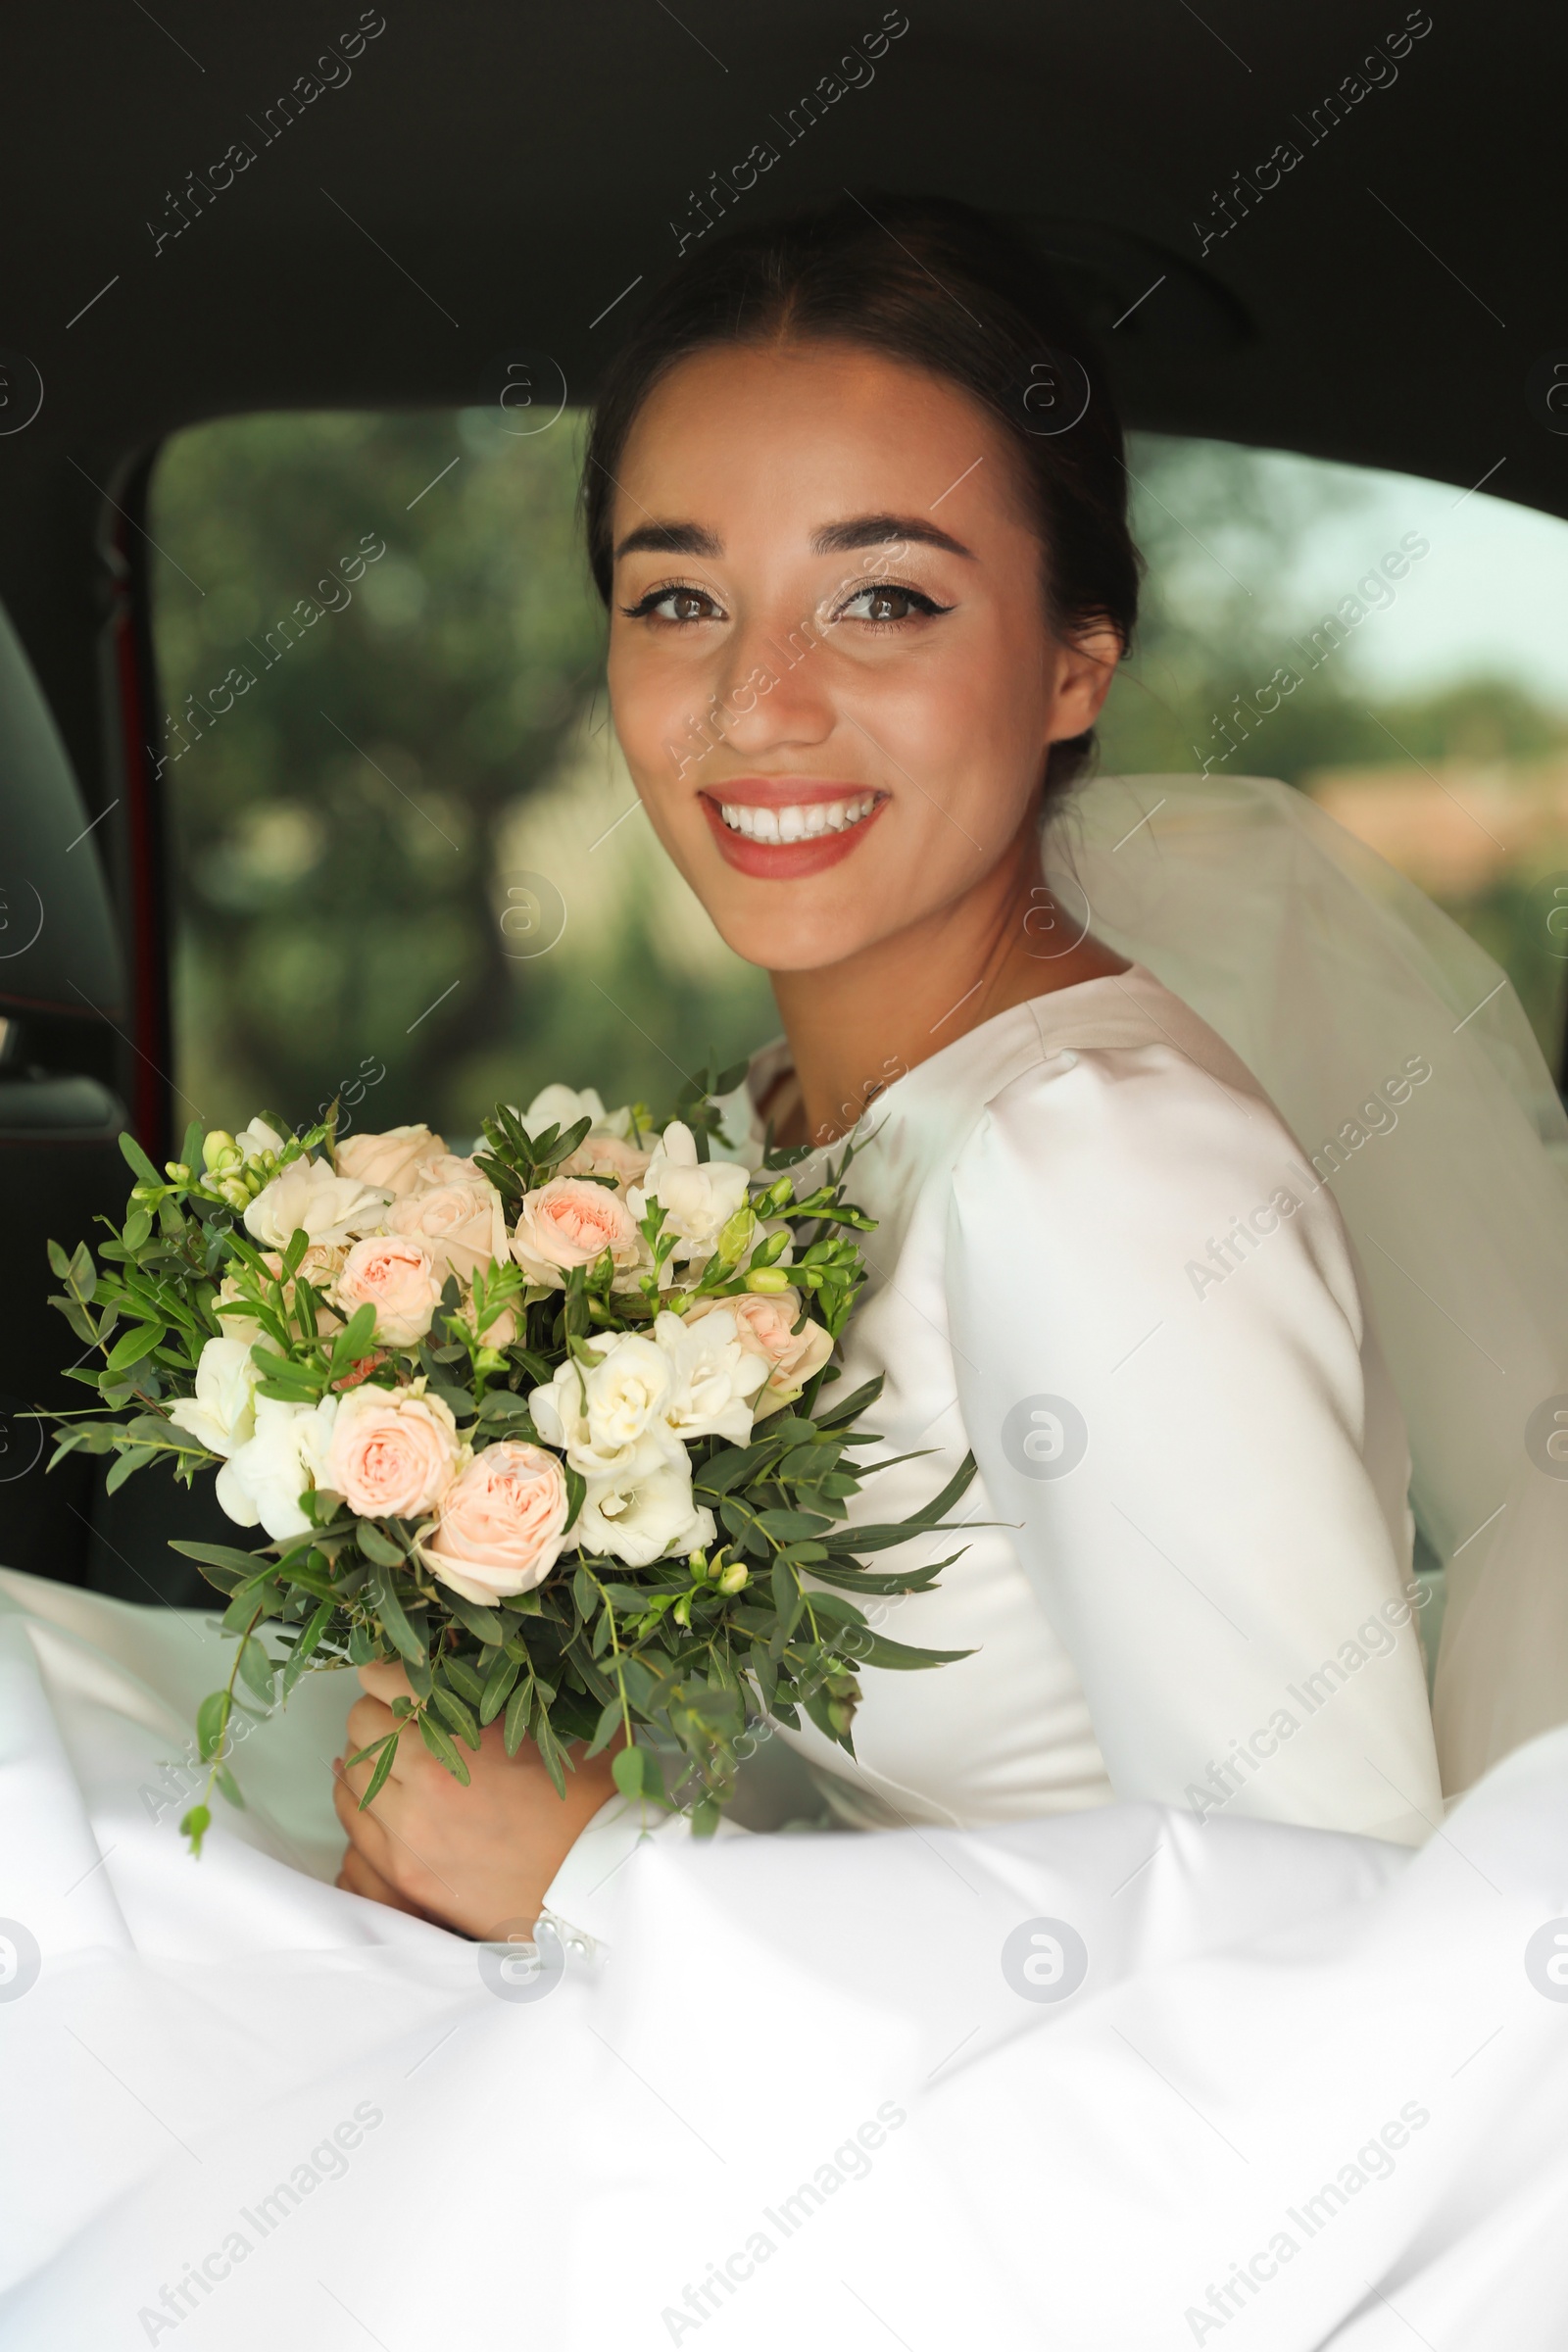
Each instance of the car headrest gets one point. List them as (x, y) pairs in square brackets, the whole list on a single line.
[(59, 943)]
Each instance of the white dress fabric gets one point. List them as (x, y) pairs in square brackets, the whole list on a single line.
[(1103, 1264), (1126, 2079), (1152, 2022)]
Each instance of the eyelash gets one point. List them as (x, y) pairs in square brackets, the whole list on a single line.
[(926, 606)]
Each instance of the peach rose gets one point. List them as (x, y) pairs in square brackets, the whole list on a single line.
[(397, 1276), (608, 1156), (391, 1160), (394, 1452), (447, 1167), (572, 1222), (462, 1225), (764, 1323), (502, 1523)]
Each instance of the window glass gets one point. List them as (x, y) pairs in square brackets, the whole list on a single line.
[(1390, 644), (409, 864)]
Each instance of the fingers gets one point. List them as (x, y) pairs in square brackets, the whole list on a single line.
[(359, 1877), (368, 1720), (362, 1829), (378, 1835), (385, 1679)]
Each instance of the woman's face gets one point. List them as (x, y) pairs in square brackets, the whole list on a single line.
[(830, 660)]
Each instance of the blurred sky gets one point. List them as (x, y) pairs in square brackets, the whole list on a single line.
[(1491, 596)]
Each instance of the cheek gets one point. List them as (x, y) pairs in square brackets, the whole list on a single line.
[(654, 705)]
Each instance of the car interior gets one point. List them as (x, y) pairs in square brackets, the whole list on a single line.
[(1291, 230)]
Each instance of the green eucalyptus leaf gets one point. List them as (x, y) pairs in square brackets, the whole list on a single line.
[(389, 1608), (456, 1714), (211, 1724), (305, 1647), (498, 1688), (441, 1746), (514, 1730)]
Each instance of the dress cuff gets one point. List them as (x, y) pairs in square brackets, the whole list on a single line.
[(583, 1897)]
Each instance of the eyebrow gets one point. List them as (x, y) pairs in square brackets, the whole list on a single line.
[(834, 539)]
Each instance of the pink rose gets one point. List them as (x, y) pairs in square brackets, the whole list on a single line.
[(390, 1162), (397, 1276), (763, 1324), (393, 1452), (502, 1523), (608, 1156), (462, 1225), (572, 1222)]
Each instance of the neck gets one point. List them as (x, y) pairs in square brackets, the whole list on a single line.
[(854, 1027)]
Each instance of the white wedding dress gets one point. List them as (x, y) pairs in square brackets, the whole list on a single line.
[(1160, 2000)]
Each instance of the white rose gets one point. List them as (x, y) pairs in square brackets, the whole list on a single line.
[(610, 1415), (562, 1107), (713, 1376), (642, 1514), (221, 1413), (698, 1197), (263, 1482), (332, 1210)]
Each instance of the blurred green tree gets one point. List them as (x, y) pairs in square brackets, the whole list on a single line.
[(344, 824)]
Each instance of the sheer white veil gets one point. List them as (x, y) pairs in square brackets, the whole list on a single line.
[(1333, 978)]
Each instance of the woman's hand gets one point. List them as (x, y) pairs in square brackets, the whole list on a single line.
[(468, 1858)]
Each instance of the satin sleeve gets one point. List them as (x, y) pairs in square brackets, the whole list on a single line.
[(1165, 1370)]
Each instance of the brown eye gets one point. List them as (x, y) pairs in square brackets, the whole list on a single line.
[(676, 605), (885, 603)]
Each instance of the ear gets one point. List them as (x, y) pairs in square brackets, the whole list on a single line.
[(1086, 665)]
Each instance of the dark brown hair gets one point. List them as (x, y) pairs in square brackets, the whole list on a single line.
[(933, 282)]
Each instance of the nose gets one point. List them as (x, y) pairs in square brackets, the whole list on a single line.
[(774, 691)]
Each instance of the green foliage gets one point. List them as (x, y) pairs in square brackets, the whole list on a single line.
[(680, 1658), (344, 829)]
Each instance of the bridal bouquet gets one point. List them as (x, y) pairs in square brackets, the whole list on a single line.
[(541, 1421)]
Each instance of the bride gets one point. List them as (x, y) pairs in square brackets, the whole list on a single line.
[(1163, 1972), (869, 576)]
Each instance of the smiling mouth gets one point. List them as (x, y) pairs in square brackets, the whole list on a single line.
[(807, 820)]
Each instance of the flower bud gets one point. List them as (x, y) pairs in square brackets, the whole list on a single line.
[(767, 1278), (735, 1235), (736, 1577), (218, 1149), (176, 1171)]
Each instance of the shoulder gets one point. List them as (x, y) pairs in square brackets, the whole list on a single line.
[(1123, 1066), (1132, 1133)]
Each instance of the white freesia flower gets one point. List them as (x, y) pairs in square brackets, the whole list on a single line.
[(714, 1377), (221, 1413), (308, 1195), (609, 1416), (697, 1197), (263, 1481), (564, 1105), (641, 1513), (257, 1138)]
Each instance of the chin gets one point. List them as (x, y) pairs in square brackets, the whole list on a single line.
[(788, 938)]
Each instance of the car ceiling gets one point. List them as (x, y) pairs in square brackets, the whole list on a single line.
[(488, 179)]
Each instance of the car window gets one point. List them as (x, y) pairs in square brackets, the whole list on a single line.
[(410, 868), (1390, 644)]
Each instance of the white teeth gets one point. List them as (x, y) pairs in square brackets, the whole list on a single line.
[(807, 821)]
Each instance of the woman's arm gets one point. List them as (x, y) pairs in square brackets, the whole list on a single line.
[(1228, 1563)]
